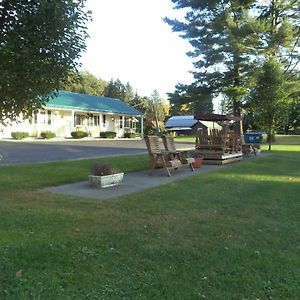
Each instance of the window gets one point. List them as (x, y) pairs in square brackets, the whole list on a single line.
[(96, 120), (121, 122), (49, 117), (43, 117), (127, 123), (104, 120), (80, 119)]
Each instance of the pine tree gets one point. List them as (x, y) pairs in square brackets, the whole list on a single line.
[(225, 38), (268, 98)]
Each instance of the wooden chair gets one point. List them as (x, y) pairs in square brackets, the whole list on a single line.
[(234, 142), (160, 158), (182, 155), (217, 141)]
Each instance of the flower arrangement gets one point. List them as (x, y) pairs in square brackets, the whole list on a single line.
[(105, 175), (98, 169)]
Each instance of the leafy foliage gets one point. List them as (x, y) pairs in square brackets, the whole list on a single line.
[(79, 134), (85, 83), (224, 36), (268, 98), (108, 134), (230, 41), (40, 43), (187, 100), (47, 135), (19, 135), (157, 109), (129, 135), (99, 169)]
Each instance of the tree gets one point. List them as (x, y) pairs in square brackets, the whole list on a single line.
[(225, 38), (157, 109), (115, 89), (129, 94), (268, 98), (40, 42), (140, 103), (85, 83), (293, 113), (232, 38), (190, 100), (281, 35)]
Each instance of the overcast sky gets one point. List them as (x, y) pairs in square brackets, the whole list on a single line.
[(130, 41)]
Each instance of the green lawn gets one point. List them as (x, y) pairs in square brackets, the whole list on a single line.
[(280, 139), (231, 234)]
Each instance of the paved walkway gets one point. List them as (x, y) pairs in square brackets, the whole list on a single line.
[(132, 183), (136, 182)]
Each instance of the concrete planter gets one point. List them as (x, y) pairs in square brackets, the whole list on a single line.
[(106, 180)]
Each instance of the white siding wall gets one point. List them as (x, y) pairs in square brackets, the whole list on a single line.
[(62, 124)]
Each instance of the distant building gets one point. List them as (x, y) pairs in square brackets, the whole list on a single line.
[(187, 125), (69, 112)]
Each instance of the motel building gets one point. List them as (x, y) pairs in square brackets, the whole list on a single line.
[(67, 112)]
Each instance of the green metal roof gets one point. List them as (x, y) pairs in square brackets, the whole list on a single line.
[(83, 102)]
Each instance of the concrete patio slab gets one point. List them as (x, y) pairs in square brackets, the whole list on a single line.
[(135, 182), (132, 183)]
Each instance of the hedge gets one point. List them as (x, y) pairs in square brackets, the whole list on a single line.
[(19, 135), (129, 135), (108, 134), (47, 135), (79, 134)]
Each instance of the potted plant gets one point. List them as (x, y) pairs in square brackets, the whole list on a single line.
[(105, 175), (198, 156)]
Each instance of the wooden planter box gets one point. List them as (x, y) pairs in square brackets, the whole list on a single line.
[(106, 181)]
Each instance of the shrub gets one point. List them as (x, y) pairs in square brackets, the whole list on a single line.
[(149, 130), (129, 135), (108, 134), (19, 135), (47, 135), (79, 134), (98, 169)]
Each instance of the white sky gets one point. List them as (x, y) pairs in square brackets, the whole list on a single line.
[(130, 41)]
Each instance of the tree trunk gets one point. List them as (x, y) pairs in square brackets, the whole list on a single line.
[(238, 126), (269, 139)]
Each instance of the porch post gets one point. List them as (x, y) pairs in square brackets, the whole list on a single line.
[(142, 126), (72, 121)]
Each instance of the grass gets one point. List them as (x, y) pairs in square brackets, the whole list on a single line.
[(280, 139), (231, 234)]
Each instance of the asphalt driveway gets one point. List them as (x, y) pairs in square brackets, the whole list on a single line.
[(15, 152)]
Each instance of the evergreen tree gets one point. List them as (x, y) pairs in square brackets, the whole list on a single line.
[(268, 98), (191, 99), (129, 93), (140, 103), (115, 89), (281, 35), (225, 38)]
